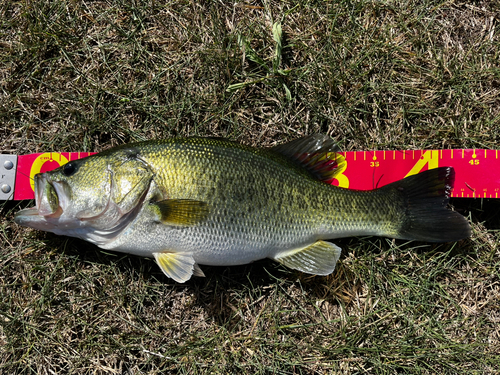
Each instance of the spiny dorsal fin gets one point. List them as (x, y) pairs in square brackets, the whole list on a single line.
[(182, 212), (317, 153), (178, 266), (318, 258)]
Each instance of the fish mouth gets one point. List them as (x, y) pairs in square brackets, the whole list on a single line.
[(49, 197)]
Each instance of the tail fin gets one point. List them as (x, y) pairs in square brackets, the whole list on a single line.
[(425, 197)]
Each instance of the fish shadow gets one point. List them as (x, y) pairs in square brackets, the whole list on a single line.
[(485, 211), (227, 293)]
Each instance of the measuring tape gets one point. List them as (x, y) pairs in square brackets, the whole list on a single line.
[(17, 172), (477, 172)]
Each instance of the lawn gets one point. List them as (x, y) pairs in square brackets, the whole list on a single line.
[(374, 75)]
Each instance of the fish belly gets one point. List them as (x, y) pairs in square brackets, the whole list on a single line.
[(226, 238), (208, 244)]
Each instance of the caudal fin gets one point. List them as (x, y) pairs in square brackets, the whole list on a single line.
[(425, 199)]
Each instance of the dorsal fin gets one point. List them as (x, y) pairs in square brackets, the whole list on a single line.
[(317, 153)]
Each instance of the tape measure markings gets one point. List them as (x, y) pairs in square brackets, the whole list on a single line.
[(477, 174)]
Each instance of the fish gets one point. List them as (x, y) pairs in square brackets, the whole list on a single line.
[(188, 202)]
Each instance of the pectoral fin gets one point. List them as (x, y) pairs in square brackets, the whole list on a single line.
[(319, 258), (178, 266), (181, 212)]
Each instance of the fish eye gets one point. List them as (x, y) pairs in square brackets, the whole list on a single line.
[(69, 169)]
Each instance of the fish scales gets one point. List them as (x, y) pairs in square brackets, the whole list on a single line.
[(252, 193), (208, 201)]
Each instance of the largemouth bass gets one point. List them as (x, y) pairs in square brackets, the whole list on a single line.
[(202, 201)]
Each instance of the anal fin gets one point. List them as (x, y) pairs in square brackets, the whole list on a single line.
[(318, 258), (178, 266), (197, 271)]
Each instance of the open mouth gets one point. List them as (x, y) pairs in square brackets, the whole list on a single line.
[(47, 198), (48, 204)]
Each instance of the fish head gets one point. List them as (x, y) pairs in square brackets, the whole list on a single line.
[(91, 198)]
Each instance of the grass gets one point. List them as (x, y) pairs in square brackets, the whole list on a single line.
[(372, 74)]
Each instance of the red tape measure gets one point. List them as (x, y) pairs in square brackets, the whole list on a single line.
[(477, 172)]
